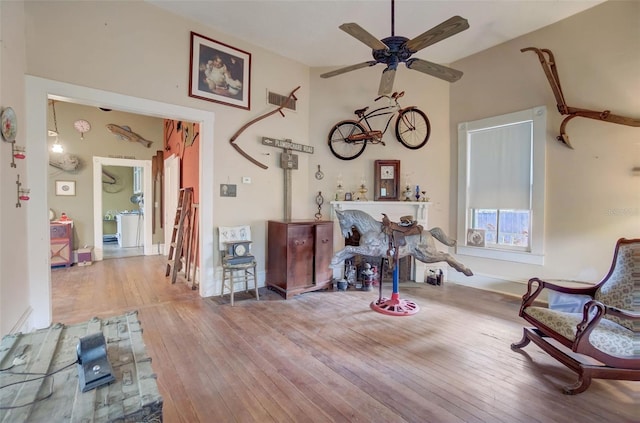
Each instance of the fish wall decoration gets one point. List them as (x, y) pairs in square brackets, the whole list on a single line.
[(125, 133)]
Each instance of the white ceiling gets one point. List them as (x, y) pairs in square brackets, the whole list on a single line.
[(307, 30)]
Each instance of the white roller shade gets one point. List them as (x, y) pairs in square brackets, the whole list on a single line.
[(499, 175)]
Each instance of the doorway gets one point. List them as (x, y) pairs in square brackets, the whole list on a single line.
[(131, 221), (38, 91)]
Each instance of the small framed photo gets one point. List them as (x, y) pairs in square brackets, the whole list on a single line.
[(227, 190), (65, 187), (475, 237), (219, 72)]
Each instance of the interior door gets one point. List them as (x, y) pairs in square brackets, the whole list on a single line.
[(171, 194)]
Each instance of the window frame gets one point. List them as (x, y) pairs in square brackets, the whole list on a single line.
[(538, 116)]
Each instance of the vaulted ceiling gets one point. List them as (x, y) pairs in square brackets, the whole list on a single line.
[(307, 30)]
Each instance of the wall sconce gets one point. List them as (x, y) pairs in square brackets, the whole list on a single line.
[(22, 193), (17, 152)]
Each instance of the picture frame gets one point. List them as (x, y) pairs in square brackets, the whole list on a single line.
[(476, 237), (386, 180), (66, 188), (227, 190), (219, 72)]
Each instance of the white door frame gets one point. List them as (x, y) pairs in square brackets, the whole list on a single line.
[(170, 196), (38, 91), (147, 211)]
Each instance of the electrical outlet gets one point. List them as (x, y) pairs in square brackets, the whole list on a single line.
[(246, 179)]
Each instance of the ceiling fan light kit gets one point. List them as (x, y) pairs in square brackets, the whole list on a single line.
[(396, 49)]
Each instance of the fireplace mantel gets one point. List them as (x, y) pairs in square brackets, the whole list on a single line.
[(394, 210)]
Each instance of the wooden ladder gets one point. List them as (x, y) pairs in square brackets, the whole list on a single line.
[(192, 247), (177, 238)]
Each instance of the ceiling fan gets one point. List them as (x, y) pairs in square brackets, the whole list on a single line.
[(396, 49)]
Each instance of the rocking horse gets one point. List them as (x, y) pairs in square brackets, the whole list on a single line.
[(394, 241)]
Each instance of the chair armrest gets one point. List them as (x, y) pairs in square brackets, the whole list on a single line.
[(592, 313), (624, 314), (536, 285)]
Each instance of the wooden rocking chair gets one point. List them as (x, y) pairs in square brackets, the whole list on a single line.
[(603, 340)]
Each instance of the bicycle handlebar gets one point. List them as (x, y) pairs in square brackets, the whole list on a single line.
[(395, 96)]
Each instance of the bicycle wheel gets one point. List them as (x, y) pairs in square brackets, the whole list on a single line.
[(413, 128), (340, 145)]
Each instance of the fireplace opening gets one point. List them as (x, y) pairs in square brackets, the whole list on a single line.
[(359, 261)]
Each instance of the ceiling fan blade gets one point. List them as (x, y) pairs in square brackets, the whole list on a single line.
[(362, 35), (386, 82), (434, 69), (438, 33), (348, 69)]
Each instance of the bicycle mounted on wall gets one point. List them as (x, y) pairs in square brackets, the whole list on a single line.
[(348, 138)]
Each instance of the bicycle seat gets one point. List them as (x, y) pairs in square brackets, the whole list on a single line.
[(361, 112)]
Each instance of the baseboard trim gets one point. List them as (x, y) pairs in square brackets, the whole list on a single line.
[(515, 287), (24, 324)]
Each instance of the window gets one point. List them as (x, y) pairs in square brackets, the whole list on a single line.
[(501, 162), (137, 180)]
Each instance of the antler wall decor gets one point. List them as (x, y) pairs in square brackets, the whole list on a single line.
[(549, 66), (246, 125)]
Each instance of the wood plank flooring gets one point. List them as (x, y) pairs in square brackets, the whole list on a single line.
[(327, 357)]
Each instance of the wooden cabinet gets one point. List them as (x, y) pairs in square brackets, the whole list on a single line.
[(61, 243), (298, 256)]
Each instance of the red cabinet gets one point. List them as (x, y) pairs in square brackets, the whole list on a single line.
[(61, 243), (298, 256)]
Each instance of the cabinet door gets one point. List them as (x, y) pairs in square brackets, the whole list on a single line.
[(300, 256), (60, 252), (323, 253)]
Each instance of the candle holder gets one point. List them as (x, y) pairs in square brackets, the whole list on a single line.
[(22, 193), (407, 193), (363, 192), (17, 152), (339, 192)]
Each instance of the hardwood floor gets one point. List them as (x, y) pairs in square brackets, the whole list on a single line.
[(327, 357)]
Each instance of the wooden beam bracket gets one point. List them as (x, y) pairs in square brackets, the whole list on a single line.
[(549, 67), (246, 125)]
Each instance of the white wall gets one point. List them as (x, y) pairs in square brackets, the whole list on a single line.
[(593, 197), (14, 274)]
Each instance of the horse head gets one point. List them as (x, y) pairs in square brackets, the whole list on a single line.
[(345, 224), (362, 221)]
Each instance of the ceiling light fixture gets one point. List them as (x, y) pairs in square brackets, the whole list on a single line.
[(56, 147)]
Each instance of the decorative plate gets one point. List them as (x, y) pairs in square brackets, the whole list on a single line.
[(9, 124)]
